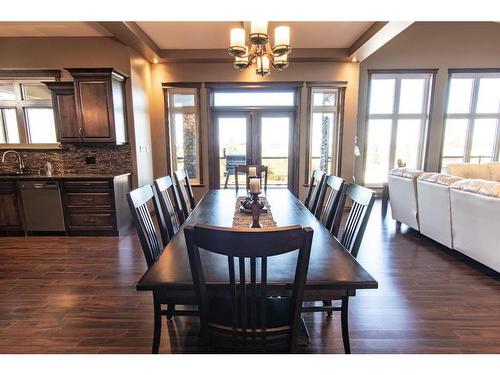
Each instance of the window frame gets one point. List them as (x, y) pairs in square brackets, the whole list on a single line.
[(425, 116), (337, 134), (475, 74), (170, 111), (18, 78)]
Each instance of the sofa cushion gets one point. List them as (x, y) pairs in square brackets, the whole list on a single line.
[(482, 187), (439, 178), (468, 170), (494, 171), (406, 172)]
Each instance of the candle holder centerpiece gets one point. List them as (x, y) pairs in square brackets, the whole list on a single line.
[(253, 203)]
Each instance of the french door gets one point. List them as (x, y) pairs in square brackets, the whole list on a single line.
[(254, 137)]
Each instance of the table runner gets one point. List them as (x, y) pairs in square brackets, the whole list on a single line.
[(243, 220)]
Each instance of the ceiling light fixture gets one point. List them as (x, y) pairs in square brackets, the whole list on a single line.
[(261, 53)]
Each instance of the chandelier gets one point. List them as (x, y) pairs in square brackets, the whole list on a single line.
[(261, 53)]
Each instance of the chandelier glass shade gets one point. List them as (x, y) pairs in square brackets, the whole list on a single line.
[(260, 52)]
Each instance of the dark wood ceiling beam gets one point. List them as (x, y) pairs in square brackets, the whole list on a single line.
[(130, 34)]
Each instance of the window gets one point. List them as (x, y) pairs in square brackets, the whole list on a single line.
[(323, 130), (253, 98), (397, 118), (26, 115), (472, 118), (184, 131)]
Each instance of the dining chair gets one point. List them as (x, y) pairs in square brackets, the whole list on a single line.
[(246, 316), (331, 203), (315, 184), (185, 192), (138, 201), (167, 207), (362, 202), (260, 170)]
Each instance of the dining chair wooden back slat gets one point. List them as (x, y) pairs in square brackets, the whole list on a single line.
[(138, 200), (315, 185), (362, 202), (331, 203), (168, 208), (185, 192), (242, 317)]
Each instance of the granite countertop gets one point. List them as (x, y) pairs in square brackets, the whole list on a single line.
[(61, 176)]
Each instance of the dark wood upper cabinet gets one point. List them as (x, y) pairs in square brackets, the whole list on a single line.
[(63, 102), (100, 104)]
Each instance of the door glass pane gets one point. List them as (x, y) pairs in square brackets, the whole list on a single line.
[(41, 125), (8, 121), (322, 136), (382, 96), (488, 100), (261, 99), (274, 138), (34, 91), (377, 151), (232, 147), (325, 98), (407, 143), (186, 144), (459, 97), (454, 140), (483, 139), (183, 100), (7, 91), (412, 95)]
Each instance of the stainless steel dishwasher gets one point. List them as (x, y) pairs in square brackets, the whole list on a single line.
[(42, 206)]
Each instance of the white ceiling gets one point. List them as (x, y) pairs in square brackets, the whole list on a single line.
[(215, 35), (51, 29)]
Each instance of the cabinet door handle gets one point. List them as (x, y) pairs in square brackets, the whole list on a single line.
[(87, 220), (88, 199)]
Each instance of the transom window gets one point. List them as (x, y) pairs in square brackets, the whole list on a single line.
[(323, 130), (398, 114), (472, 118), (26, 115), (253, 98), (184, 125)]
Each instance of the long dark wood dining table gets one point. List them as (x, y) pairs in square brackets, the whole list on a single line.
[(332, 273)]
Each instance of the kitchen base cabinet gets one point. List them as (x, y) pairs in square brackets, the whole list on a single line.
[(97, 207), (10, 213)]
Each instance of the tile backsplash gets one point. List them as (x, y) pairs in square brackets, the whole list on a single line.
[(71, 159)]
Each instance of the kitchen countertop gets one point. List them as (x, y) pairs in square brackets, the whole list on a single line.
[(72, 176)]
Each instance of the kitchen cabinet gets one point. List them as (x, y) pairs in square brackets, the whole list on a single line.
[(10, 218), (63, 103), (96, 206), (100, 104)]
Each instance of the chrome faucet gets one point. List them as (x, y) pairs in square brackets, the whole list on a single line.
[(20, 159)]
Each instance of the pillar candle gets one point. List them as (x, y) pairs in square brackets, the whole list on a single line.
[(254, 185)]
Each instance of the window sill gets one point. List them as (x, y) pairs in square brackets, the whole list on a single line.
[(38, 146)]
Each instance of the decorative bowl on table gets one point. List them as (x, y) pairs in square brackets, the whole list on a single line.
[(246, 205)]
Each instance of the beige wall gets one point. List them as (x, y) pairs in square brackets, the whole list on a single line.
[(440, 45), (219, 72), (87, 52)]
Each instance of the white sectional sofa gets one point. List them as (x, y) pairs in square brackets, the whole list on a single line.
[(402, 183), (459, 209), (475, 214), (434, 211)]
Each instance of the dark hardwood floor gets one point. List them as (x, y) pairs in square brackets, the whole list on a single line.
[(77, 295)]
